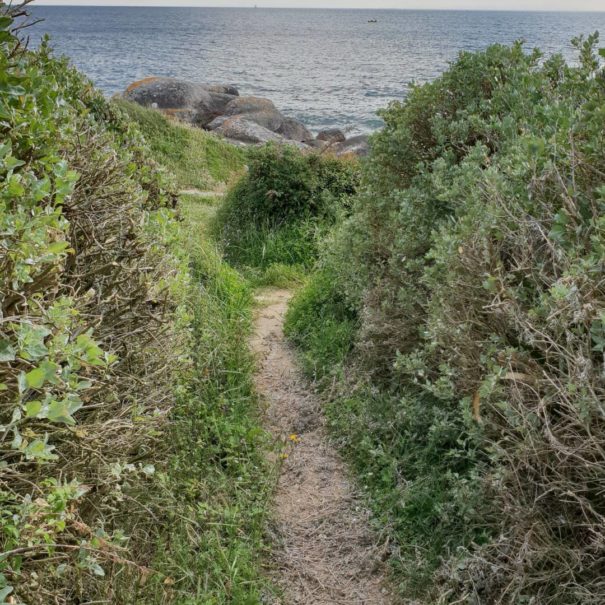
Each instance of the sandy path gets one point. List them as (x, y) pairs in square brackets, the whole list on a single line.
[(324, 551), (200, 193)]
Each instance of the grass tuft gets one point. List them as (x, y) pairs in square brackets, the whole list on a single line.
[(196, 158)]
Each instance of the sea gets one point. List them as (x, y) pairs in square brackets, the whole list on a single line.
[(327, 68)]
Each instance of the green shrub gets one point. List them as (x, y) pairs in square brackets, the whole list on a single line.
[(278, 211), (319, 321), (473, 259), (284, 184), (88, 332), (132, 461)]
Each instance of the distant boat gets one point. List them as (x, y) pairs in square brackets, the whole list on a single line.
[(372, 20)]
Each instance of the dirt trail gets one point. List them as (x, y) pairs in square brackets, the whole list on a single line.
[(324, 551), (200, 193)]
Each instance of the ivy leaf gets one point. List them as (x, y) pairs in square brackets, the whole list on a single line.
[(4, 592), (149, 470), (11, 162), (15, 188), (97, 569), (32, 341), (92, 351), (61, 411), (17, 439), (39, 450), (22, 383), (597, 333), (58, 247)]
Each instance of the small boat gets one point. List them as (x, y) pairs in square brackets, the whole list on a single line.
[(372, 20)]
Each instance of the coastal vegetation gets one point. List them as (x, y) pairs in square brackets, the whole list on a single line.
[(273, 219), (449, 307), (132, 460), (195, 158), (457, 318)]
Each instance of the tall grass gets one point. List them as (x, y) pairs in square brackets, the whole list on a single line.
[(194, 157), (219, 479), (219, 475)]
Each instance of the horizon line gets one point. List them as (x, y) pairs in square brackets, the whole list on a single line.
[(333, 8)]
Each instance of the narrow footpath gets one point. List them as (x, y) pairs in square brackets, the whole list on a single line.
[(324, 551)]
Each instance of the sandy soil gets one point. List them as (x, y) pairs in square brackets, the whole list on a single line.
[(324, 552)]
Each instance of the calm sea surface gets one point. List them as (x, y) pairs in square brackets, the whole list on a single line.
[(324, 67)]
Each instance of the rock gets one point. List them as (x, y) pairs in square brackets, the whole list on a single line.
[(358, 146), (165, 93), (210, 105), (239, 128), (194, 103), (317, 144), (244, 120), (331, 135), (295, 131), (218, 122), (241, 105), (226, 89), (271, 119), (256, 109)]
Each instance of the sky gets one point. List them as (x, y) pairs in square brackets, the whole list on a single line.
[(560, 5)]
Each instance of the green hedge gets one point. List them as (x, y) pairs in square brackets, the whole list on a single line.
[(474, 262), (132, 466)]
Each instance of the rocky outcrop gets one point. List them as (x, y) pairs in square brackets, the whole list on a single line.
[(242, 119), (243, 105), (331, 135), (238, 128), (295, 131), (358, 145), (197, 104), (226, 89)]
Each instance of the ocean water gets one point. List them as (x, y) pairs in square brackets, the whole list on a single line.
[(324, 67)]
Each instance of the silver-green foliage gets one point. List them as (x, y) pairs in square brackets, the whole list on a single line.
[(474, 260), (87, 330)]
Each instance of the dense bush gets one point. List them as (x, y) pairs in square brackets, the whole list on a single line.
[(131, 465), (277, 212), (474, 262), (86, 335)]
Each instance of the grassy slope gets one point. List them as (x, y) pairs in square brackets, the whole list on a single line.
[(220, 470), (195, 158), (220, 462)]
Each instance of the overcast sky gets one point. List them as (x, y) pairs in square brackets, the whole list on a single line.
[(577, 5)]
